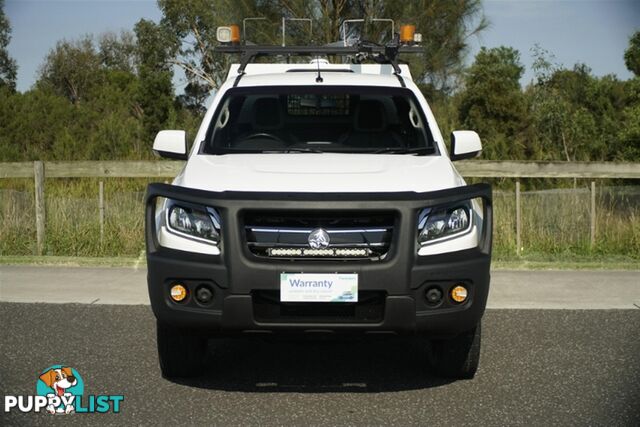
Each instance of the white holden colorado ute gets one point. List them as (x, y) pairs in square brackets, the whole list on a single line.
[(319, 197)]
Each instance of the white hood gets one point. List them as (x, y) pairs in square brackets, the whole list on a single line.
[(316, 173)]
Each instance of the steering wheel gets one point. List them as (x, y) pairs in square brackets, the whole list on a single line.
[(264, 135)]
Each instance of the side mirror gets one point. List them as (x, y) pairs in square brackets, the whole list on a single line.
[(171, 144), (465, 144)]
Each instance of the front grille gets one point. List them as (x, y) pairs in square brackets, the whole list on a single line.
[(267, 308), (285, 235)]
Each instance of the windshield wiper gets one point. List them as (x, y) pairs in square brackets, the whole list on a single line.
[(295, 150), (400, 150)]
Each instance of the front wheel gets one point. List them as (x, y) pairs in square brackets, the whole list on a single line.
[(459, 357), (181, 353)]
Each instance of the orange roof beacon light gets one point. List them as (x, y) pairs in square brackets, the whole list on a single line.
[(406, 33), (229, 34)]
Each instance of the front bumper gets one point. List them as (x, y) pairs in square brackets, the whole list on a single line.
[(246, 287)]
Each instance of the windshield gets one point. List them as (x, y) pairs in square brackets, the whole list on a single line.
[(322, 119)]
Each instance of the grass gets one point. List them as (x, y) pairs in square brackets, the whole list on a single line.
[(566, 261), (67, 261), (538, 262), (72, 222), (555, 224)]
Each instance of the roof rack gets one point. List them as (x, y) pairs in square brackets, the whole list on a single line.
[(387, 54)]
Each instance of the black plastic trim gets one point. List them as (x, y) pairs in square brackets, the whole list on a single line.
[(173, 156), (402, 275), (321, 70)]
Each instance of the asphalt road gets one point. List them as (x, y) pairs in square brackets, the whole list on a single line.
[(538, 367)]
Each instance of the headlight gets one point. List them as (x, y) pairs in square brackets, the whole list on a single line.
[(199, 222), (436, 223)]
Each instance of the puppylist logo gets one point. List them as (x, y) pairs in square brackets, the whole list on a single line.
[(60, 390)]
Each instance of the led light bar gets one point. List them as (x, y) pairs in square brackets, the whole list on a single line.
[(285, 252), (352, 252), (327, 252), (318, 252)]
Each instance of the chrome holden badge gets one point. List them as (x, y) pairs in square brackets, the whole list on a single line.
[(318, 239)]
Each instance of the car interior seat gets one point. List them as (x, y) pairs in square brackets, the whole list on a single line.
[(370, 126)]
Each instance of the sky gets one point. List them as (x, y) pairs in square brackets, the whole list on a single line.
[(594, 32)]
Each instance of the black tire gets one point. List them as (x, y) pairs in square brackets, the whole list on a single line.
[(457, 358), (181, 353)]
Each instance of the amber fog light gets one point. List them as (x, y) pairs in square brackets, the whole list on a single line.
[(459, 293), (178, 292)]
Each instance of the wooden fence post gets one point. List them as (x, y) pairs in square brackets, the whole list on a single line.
[(593, 214), (38, 174), (101, 209), (518, 219)]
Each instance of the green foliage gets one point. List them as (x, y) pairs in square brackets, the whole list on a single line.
[(191, 27), (71, 69), (8, 67), (106, 97), (576, 116), (72, 223), (565, 114), (118, 52), (629, 135), (94, 101), (632, 54), (493, 103), (155, 96)]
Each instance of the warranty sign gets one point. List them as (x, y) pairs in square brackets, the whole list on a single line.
[(301, 287)]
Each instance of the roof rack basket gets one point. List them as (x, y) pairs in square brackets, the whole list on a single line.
[(383, 54)]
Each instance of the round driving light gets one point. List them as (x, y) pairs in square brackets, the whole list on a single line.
[(204, 294), (433, 296), (459, 293), (178, 293)]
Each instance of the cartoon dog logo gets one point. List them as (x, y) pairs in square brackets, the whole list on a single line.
[(60, 380)]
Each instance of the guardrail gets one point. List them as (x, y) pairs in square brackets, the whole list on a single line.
[(164, 169)]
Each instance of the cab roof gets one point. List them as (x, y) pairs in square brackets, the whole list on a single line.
[(257, 74)]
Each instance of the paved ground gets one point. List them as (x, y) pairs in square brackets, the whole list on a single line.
[(509, 289), (539, 367), (553, 363)]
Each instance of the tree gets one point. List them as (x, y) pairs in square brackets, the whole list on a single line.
[(194, 96), (192, 25), (8, 67), (446, 27), (632, 54), (118, 52), (71, 68), (552, 111), (155, 96), (628, 136), (492, 102), (576, 115)]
